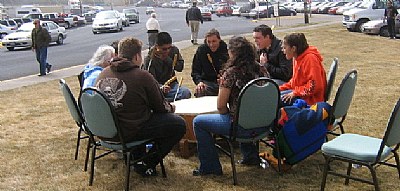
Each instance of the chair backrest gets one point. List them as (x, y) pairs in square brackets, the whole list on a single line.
[(344, 95), (99, 113), (258, 104), (392, 134), (71, 102), (331, 78), (80, 79)]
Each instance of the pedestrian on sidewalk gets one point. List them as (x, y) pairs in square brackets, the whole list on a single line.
[(193, 19), (153, 27), (40, 42), (390, 16)]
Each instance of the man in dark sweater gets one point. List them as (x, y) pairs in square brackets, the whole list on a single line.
[(207, 64), (271, 57), (141, 108), (193, 19), (40, 42)]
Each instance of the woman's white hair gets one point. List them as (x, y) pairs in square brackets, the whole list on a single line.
[(103, 53)]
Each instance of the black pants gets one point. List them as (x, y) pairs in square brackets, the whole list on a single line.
[(167, 129), (391, 25)]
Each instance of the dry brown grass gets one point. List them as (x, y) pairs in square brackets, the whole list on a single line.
[(37, 134)]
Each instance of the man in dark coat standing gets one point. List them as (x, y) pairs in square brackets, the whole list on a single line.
[(193, 19), (40, 42)]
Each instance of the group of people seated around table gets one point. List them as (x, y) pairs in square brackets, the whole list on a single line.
[(149, 87)]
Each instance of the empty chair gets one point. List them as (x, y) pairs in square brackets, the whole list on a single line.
[(364, 150), (77, 116), (341, 104), (331, 78), (258, 104), (102, 123)]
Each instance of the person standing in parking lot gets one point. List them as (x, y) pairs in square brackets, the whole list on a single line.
[(40, 42), (153, 27), (390, 16), (193, 19)]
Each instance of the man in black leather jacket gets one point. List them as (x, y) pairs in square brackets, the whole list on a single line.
[(271, 57)]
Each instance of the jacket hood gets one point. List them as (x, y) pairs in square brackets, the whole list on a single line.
[(311, 50), (121, 64)]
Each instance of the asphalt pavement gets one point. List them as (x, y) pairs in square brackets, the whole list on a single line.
[(75, 70)]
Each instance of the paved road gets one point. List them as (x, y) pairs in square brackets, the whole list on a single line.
[(81, 43)]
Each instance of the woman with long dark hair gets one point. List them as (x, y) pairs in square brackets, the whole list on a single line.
[(239, 70)]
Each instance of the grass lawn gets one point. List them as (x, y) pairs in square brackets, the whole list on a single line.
[(38, 135)]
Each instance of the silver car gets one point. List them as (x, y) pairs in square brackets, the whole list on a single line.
[(132, 14), (22, 37), (380, 27), (107, 21)]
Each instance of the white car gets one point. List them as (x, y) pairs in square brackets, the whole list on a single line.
[(4, 31), (22, 37), (107, 21)]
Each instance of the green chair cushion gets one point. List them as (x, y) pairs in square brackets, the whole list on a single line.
[(358, 147)]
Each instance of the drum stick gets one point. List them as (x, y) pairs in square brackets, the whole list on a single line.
[(179, 87)]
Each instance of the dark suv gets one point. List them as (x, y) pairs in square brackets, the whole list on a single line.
[(131, 14)]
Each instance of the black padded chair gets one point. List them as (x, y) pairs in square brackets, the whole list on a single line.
[(331, 78), (78, 118), (103, 124), (258, 105), (342, 102)]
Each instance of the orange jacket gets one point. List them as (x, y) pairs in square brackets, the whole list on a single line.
[(309, 79)]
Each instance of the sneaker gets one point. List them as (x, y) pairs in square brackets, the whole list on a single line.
[(192, 41), (41, 75), (49, 68), (143, 170), (272, 161), (198, 172)]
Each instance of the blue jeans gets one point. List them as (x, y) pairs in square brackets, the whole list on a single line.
[(206, 125), (184, 92), (41, 57)]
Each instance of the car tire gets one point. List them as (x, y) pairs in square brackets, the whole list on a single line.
[(121, 28), (67, 25), (60, 39), (291, 14), (359, 24), (384, 31), (10, 48)]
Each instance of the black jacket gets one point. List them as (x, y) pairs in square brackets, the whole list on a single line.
[(278, 66), (193, 14), (202, 69)]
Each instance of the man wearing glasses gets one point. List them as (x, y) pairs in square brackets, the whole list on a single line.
[(40, 42), (162, 61)]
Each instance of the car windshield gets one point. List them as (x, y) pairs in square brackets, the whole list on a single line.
[(364, 5), (105, 15), (27, 27)]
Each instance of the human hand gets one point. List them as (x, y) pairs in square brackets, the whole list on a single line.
[(173, 107), (165, 89), (287, 98), (263, 58), (200, 88)]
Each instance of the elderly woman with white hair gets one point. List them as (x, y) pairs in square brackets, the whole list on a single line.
[(153, 27), (100, 60)]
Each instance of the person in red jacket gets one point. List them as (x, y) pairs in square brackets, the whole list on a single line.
[(309, 79)]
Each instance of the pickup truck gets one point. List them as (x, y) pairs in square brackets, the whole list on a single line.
[(55, 17)]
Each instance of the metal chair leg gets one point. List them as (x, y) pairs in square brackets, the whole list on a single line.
[(92, 164), (128, 170), (78, 143), (325, 174), (374, 178), (89, 144), (232, 156)]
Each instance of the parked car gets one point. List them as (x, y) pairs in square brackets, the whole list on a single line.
[(10, 24), (150, 10), (224, 11), (235, 10), (89, 17), (22, 37), (125, 20), (107, 21), (380, 27), (264, 12), (132, 14), (206, 13), (4, 31), (21, 21)]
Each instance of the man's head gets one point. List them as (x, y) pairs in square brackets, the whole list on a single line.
[(194, 3), (153, 15), (131, 49), (389, 4), (263, 36), (163, 44), (213, 39), (294, 44), (36, 22)]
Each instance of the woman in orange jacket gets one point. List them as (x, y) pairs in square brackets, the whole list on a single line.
[(309, 79)]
